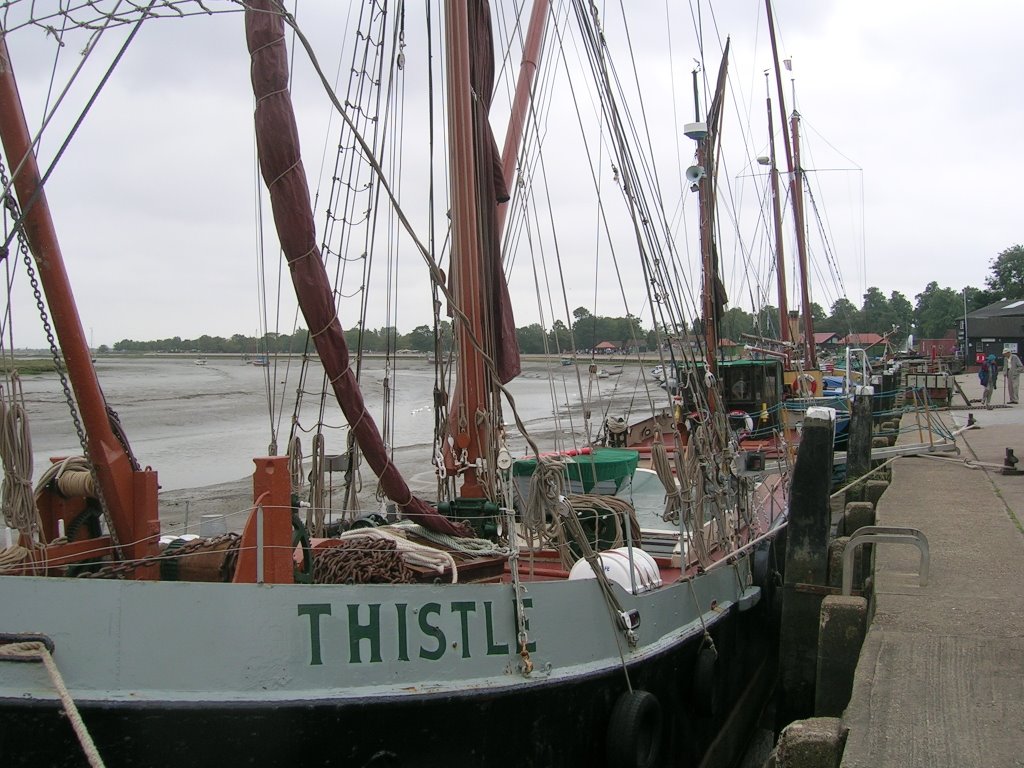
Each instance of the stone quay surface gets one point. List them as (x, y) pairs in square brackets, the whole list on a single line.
[(940, 679)]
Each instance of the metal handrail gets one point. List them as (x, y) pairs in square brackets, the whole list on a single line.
[(879, 534)]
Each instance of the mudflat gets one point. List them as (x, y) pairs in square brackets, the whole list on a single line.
[(199, 426)]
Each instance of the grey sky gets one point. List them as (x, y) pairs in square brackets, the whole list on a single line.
[(154, 200)]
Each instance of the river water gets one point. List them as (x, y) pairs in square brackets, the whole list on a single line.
[(201, 425)]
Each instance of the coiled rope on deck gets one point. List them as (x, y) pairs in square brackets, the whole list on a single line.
[(19, 508), (35, 649), (547, 487), (73, 477), (12, 557), (463, 545)]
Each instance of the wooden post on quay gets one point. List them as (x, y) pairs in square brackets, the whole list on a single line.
[(806, 575), (858, 449)]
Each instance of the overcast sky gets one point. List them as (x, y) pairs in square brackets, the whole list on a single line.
[(912, 122)]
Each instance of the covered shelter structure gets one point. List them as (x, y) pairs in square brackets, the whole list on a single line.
[(993, 329)]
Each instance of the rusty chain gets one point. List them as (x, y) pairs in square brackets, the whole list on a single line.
[(366, 561), (11, 204), (120, 570)]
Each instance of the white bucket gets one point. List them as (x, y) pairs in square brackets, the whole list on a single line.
[(615, 563)]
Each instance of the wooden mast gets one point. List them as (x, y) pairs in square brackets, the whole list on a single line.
[(706, 206), (780, 261), (466, 251), (130, 495), (532, 50), (795, 194), (713, 293), (798, 210)]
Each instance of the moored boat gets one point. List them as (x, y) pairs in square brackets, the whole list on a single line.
[(483, 628)]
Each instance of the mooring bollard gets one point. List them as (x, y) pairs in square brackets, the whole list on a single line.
[(858, 449), (811, 743), (806, 573), (844, 624)]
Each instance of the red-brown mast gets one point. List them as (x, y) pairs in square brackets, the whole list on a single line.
[(532, 50), (467, 279), (130, 496), (780, 261), (706, 206), (798, 210), (795, 193), (713, 296)]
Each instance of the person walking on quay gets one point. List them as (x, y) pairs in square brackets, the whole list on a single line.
[(1013, 367), (987, 376)]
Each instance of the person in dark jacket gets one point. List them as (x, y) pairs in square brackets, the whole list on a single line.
[(987, 376)]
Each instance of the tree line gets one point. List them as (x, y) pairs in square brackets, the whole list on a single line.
[(934, 313)]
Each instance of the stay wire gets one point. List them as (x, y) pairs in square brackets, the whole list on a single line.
[(27, 206)]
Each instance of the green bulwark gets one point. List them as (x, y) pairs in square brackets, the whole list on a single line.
[(604, 468)]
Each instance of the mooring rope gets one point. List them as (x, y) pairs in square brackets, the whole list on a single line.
[(35, 649), (12, 557), (674, 499), (465, 546), (547, 486), (72, 475)]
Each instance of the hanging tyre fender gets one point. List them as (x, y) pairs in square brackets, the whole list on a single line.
[(705, 684), (634, 731)]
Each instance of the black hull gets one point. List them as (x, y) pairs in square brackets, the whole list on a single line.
[(706, 720)]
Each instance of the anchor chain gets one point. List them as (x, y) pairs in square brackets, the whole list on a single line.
[(122, 569), (362, 561), (12, 206)]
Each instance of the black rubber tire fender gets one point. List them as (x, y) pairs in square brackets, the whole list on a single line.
[(634, 731), (705, 686)]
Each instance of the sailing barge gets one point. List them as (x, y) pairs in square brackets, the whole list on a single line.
[(451, 637)]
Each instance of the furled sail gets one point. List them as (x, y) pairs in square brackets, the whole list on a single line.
[(491, 189), (277, 142)]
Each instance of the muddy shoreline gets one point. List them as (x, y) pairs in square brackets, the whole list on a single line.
[(182, 508)]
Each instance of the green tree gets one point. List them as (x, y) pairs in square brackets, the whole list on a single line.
[(735, 322), (1007, 278), (937, 311), (352, 337), (876, 316), (844, 318), (766, 323), (978, 298), (903, 311), (420, 338), (531, 339), (559, 337)]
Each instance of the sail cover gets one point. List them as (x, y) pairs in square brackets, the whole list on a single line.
[(277, 141)]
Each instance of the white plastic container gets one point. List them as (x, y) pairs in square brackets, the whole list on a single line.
[(615, 563)]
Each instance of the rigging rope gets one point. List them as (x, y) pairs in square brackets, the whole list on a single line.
[(37, 650)]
